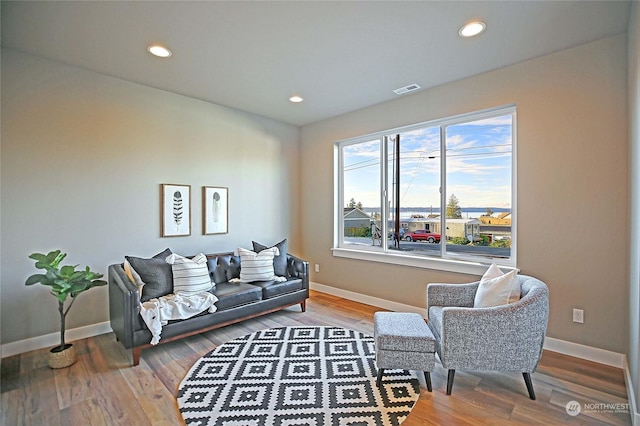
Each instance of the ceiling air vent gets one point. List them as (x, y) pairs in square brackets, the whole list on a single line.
[(406, 89)]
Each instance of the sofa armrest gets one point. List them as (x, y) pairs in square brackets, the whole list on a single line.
[(461, 295), (298, 268), (124, 304)]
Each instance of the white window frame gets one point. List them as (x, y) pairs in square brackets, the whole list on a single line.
[(467, 264)]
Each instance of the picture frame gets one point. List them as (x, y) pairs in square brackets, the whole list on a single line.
[(175, 210), (215, 210)]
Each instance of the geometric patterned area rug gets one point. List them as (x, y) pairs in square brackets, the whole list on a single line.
[(295, 376)]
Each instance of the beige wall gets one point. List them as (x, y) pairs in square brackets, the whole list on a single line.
[(572, 179), (83, 156)]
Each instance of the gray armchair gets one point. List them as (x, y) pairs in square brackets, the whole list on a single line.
[(501, 338)]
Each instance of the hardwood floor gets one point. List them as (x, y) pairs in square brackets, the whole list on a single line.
[(103, 389)]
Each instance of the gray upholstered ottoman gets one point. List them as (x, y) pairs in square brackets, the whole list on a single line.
[(403, 341)]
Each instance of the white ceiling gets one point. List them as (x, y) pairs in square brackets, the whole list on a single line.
[(339, 56)]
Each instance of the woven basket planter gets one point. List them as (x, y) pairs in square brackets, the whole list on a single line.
[(63, 358)]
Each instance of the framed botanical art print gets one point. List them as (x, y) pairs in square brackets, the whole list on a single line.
[(176, 210), (215, 210)]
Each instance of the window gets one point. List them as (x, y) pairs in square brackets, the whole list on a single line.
[(442, 190)]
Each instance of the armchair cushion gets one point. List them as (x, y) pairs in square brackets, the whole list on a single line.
[(496, 288), (497, 338)]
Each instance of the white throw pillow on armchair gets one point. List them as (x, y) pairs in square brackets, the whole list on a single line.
[(496, 288)]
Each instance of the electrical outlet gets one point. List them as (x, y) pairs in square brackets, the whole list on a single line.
[(578, 316), (317, 268)]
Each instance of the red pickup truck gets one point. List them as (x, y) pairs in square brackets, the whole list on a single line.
[(422, 235)]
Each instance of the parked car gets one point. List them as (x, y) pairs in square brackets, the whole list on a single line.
[(391, 232), (422, 235)]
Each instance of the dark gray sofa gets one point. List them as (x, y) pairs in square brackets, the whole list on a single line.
[(236, 301)]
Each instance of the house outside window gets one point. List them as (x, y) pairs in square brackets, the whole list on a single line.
[(437, 192)]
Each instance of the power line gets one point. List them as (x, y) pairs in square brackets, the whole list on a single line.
[(362, 165), (421, 152)]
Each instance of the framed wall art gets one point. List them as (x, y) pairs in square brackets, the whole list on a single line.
[(215, 210), (176, 210)]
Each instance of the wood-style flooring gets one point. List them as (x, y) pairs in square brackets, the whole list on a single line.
[(103, 389)]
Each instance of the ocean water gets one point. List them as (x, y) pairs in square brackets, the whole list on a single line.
[(467, 213)]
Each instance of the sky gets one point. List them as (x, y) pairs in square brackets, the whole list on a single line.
[(478, 165)]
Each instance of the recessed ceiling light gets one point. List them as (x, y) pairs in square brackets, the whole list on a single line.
[(472, 29), (296, 99), (159, 50)]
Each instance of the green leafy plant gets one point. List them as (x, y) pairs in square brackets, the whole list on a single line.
[(460, 241), (501, 243), (64, 281)]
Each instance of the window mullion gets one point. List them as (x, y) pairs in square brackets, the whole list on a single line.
[(443, 190), (339, 198)]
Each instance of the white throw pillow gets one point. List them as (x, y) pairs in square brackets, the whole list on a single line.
[(257, 266), (497, 289), (190, 276)]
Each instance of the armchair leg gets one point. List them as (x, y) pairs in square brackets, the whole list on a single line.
[(529, 383), (427, 378), (450, 376)]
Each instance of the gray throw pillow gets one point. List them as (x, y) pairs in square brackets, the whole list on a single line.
[(155, 273), (280, 261)]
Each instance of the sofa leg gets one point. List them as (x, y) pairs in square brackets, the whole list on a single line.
[(303, 305), (529, 383), (136, 355), (379, 379), (427, 378), (450, 376)]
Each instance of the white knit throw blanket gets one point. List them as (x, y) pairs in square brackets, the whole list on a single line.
[(157, 312)]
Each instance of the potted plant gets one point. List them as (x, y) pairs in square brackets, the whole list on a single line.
[(64, 281)]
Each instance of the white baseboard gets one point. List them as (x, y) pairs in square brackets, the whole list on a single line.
[(367, 300), (53, 339), (601, 356), (589, 353)]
